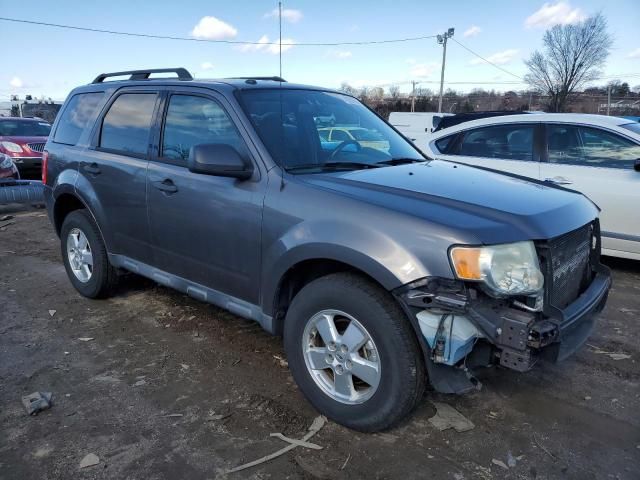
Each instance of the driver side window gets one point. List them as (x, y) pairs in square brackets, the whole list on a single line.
[(193, 120)]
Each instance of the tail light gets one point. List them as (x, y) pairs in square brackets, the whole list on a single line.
[(45, 162)]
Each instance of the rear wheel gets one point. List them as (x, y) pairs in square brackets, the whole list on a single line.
[(85, 256), (353, 352)]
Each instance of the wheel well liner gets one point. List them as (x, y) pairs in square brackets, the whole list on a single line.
[(64, 205), (299, 275)]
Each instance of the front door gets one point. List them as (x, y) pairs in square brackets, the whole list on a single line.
[(599, 163), (204, 228)]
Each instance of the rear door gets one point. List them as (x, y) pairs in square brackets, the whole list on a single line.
[(513, 148), (599, 163), (204, 228), (116, 168)]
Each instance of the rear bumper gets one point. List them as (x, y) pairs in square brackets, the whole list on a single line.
[(20, 191)]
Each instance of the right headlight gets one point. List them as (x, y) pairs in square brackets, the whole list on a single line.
[(507, 269), (11, 147)]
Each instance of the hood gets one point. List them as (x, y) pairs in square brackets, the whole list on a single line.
[(23, 140), (479, 205)]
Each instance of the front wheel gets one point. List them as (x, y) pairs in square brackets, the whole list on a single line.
[(353, 352)]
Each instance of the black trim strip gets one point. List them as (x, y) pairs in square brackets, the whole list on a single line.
[(621, 236)]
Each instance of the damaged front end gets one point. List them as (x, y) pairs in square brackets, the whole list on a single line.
[(541, 304)]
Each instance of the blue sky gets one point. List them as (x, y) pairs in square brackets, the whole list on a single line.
[(49, 61)]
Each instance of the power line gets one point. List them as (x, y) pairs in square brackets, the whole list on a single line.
[(233, 42), (488, 61)]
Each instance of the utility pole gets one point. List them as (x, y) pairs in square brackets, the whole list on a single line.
[(608, 99), (442, 40), (413, 96)]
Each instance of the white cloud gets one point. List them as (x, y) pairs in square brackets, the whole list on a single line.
[(499, 58), (206, 66), (288, 14), (265, 45), (423, 69), (550, 14), (16, 82), (211, 28), (634, 53), (340, 54), (472, 31)]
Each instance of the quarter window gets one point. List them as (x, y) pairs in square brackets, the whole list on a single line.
[(508, 142), (76, 116), (587, 146), (194, 120), (127, 124), (443, 143)]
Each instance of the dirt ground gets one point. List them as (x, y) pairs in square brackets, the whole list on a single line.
[(170, 388)]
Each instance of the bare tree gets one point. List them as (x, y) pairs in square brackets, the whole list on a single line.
[(394, 92), (572, 56), (348, 89)]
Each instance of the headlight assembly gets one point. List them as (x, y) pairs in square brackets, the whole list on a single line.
[(11, 147), (508, 269)]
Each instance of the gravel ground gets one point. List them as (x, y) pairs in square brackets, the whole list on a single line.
[(173, 388)]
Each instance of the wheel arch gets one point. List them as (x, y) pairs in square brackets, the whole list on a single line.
[(303, 270)]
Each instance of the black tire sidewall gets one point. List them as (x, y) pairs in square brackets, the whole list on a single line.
[(82, 220), (398, 366)]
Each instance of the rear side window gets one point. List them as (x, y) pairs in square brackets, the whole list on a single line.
[(127, 124), (76, 116), (443, 143), (507, 142), (194, 120)]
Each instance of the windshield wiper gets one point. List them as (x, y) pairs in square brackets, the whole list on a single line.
[(400, 161), (334, 166)]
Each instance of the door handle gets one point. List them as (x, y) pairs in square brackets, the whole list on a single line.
[(92, 168), (559, 180), (166, 185)]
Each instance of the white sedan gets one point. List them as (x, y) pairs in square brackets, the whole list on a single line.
[(594, 154)]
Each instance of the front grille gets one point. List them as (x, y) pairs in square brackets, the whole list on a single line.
[(567, 266), (36, 147)]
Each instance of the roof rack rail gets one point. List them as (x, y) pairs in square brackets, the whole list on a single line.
[(183, 74), (272, 79)]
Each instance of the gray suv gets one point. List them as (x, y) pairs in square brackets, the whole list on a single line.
[(383, 270)]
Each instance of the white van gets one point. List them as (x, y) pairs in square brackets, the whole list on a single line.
[(416, 126)]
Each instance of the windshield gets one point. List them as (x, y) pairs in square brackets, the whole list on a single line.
[(634, 127), (22, 128), (292, 124)]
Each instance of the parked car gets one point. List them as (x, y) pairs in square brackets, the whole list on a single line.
[(355, 135), (380, 269), (594, 154), (23, 140)]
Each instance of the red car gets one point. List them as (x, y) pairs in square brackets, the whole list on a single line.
[(23, 140)]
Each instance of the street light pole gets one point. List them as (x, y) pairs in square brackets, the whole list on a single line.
[(442, 40)]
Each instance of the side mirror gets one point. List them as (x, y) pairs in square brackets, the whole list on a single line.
[(636, 165), (218, 159)]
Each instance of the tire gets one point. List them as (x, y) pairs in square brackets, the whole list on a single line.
[(401, 377), (103, 277)]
